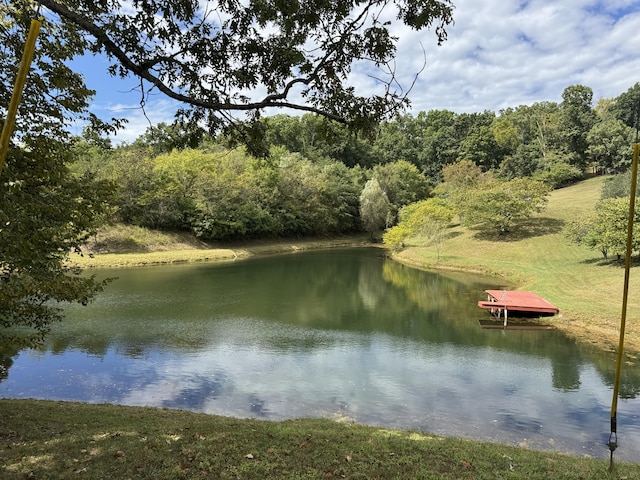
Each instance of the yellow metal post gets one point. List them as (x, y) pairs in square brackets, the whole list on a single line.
[(613, 439), (23, 70)]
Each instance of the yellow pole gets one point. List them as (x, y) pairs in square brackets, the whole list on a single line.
[(12, 111), (613, 439)]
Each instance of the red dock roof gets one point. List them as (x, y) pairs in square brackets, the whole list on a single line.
[(519, 301)]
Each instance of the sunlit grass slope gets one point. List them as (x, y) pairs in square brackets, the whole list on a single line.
[(540, 258)]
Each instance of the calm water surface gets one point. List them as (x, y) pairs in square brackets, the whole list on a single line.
[(342, 334)]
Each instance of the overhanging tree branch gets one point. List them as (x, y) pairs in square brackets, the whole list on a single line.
[(208, 64)]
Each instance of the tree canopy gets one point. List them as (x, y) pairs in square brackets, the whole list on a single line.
[(217, 58)]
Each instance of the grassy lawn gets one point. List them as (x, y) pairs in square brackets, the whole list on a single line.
[(58, 440), (539, 258)]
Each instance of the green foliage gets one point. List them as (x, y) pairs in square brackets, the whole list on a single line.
[(525, 162), (576, 119), (317, 138), (610, 145), (618, 186), (428, 218), (506, 134), (246, 57), (482, 148), (499, 205), (163, 138), (437, 138), (222, 194), (531, 137), (626, 108), (374, 207), (45, 213), (460, 180), (556, 173), (606, 229), (402, 183)]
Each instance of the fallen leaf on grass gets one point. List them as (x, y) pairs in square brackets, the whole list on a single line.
[(466, 465), (249, 456), (348, 458), (119, 454)]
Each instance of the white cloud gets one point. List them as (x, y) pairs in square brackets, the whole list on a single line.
[(498, 54)]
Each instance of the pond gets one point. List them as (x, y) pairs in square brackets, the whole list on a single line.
[(344, 334)]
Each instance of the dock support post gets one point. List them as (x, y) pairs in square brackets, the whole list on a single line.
[(505, 318)]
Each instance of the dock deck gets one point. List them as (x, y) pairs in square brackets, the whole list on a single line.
[(502, 301)]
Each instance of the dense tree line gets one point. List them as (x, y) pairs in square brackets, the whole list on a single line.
[(556, 142), (319, 178), (222, 194)]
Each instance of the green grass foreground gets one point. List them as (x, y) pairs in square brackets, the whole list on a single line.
[(60, 440)]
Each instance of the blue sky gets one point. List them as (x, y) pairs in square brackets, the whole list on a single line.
[(499, 54)]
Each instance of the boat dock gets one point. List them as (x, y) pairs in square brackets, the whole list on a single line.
[(500, 302)]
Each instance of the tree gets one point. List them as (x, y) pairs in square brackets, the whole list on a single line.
[(46, 212), (610, 145), (481, 148), (498, 205), (618, 186), (441, 143), (214, 57), (626, 108), (317, 138), (531, 137), (428, 218), (374, 207), (402, 184), (460, 179), (556, 173), (400, 139), (606, 229), (164, 138), (576, 119)]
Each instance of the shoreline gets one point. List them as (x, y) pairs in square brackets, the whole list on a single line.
[(222, 253), (603, 339)]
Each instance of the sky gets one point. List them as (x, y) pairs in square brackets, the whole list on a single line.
[(499, 54)]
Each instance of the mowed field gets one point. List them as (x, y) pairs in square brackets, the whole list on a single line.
[(587, 290)]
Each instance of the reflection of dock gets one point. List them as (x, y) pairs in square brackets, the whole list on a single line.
[(517, 325), (500, 302)]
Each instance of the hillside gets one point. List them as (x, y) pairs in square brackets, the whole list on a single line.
[(587, 290)]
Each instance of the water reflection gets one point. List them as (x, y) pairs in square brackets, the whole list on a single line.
[(339, 334)]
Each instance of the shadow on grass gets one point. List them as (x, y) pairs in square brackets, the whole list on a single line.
[(534, 227), (616, 261), (119, 245)]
